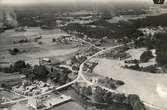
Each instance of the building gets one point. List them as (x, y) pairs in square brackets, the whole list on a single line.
[(47, 101), (57, 100), (35, 103)]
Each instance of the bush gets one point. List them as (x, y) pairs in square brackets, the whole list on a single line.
[(120, 83), (3, 85), (40, 42), (113, 86), (19, 65), (119, 98), (14, 51), (53, 40), (24, 41), (40, 72), (16, 67), (8, 69)]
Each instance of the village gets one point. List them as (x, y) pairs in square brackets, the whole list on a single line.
[(36, 93), (83, 59)]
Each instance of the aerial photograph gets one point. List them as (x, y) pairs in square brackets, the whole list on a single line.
[(83, 55)]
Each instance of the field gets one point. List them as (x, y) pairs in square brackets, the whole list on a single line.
[(9, 95), (152, 88), (31, 50), (8, 76), (68, 106)]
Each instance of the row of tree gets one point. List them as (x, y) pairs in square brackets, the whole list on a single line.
[(158, 42), (38, 72), (103, 28), (101, 96), (16, 67), (132, 101)]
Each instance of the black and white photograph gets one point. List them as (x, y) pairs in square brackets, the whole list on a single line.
[(83, 55)]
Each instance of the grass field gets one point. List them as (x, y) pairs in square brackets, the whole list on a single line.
[(32, 50), (152, 88), (9, 95), (8, 76)]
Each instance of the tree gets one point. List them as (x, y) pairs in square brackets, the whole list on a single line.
[(98, 95), (14, 51), (40, 42), (63, 75), (63, 78), (8, 69), (162, 56), (19, 65), (146, 56), (120, 98), (119, 82), (135, 102), (108, 97), (158, 1), (3, 85), (89, 90), (40, 72), (106, 14), (139, 106), (29, 73), (53, 40)]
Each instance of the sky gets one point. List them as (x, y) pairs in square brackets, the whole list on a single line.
[(67, 1)]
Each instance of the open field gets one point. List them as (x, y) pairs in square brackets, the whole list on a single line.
[(8, 95), (152, 88), (17, 106), (9, 76), (32, 50), (68, 106)]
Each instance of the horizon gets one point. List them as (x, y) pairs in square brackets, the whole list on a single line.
[(57, 2)]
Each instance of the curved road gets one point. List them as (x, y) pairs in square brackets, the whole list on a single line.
[(108, 89), (103, 87), (80, 75)]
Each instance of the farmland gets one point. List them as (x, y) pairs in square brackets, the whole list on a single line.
[(32, 50)]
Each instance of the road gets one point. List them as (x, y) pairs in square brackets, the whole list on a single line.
[(108, 89), (80, 75), (91, 44), (94, 55), (103, 87)]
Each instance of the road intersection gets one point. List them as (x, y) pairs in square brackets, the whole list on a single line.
[(80, 75)]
